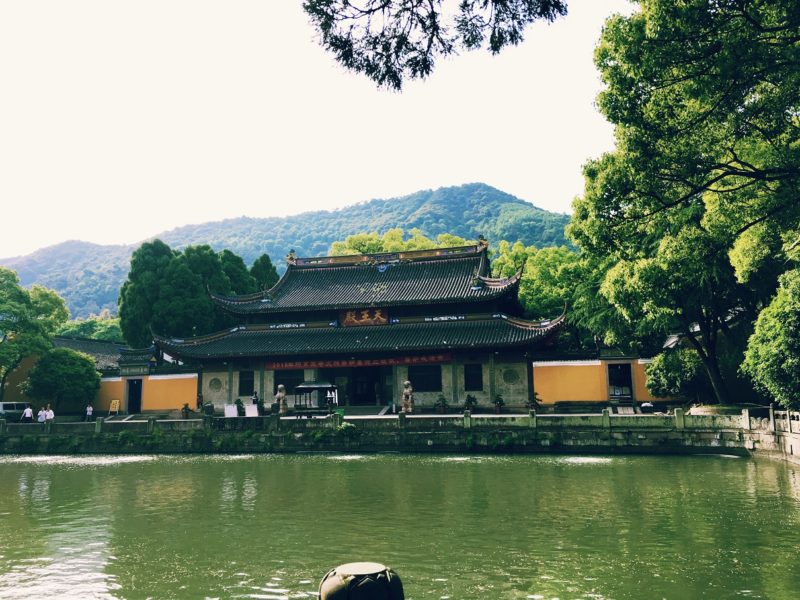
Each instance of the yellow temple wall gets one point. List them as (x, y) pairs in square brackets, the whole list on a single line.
[(169, 392), (641, 393), (111, 388), (585, 381), (17, 376), (570, 381)]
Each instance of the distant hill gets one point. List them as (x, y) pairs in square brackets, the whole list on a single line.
[(89, 276)]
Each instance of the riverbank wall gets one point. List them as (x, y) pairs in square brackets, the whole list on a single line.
[(776, 435)]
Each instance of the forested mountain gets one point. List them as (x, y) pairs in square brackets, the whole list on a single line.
[(89, 276)]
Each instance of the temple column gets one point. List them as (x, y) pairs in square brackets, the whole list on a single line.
[(230, 382), (491, 379), (269, 386), (454, 382)]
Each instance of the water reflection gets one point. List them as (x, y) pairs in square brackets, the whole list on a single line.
[(453, 526)]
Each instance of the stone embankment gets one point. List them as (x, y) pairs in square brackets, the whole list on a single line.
[(776, 435)]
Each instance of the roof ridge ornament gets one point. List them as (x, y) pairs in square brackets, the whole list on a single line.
[(291, 258), (483, 243)]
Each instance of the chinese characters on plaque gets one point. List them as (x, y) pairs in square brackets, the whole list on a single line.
[(363, 316)]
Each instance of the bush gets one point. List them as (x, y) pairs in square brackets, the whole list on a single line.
[(470, 402), (64, 377)]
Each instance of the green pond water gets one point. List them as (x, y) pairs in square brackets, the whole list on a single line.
[(493, 527)]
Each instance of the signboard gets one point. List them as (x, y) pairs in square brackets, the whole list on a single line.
[(430, 359), (130, 370), (114, 408), (361, 317)]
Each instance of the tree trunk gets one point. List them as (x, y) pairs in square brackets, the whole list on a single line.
[(709, 357)]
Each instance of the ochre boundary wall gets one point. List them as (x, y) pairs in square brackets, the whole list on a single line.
[(576, 381), (777, 435)]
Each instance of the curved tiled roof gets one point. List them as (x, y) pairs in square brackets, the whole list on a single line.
[(443, 275), (105, 354), (405, 335)]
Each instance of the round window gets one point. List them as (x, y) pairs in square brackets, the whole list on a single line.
[(510, 376), (215, 385)]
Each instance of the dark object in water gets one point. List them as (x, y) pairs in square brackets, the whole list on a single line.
[(361, 581)]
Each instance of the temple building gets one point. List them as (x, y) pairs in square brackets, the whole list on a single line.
[(363, 325), (368, 323)]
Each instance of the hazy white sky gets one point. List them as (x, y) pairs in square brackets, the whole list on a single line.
[(119, 120)]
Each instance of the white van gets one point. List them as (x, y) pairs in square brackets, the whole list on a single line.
[(12, 411)]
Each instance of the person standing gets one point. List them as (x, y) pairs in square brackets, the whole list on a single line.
[(41, 416), (89, 412), (49, 415), (27, 414)]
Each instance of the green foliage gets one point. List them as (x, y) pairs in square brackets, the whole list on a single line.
[(167, 291), (772, 359), (470, 402), (141, 291), (393, 240), (65, 378), (264, 272), (93, 328), (390, 41), (677, 373), (89, 276), (28, 320), (557, 278), (348, 430), (687, 219)]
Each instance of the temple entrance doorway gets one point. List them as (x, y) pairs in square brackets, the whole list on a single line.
[(360, 386), (134, 396), (365, 385)]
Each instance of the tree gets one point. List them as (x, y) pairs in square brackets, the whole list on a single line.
[(65, 378), (393, 40), (103, 327), (677, 373), (141, 290), (183, 307), (690, 213), (705, 96), (207, 265), (394, 240), (772, 359), (167, 292), (242, 282), (557, 278), (264, 272), (28, 320)]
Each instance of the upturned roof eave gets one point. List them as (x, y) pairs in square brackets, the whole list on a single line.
[(189, 347), (271, 309)]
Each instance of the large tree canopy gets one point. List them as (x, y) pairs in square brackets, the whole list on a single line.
[(167, 291), (691, 212), (706, 99), (28, 319), (394, 40)]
